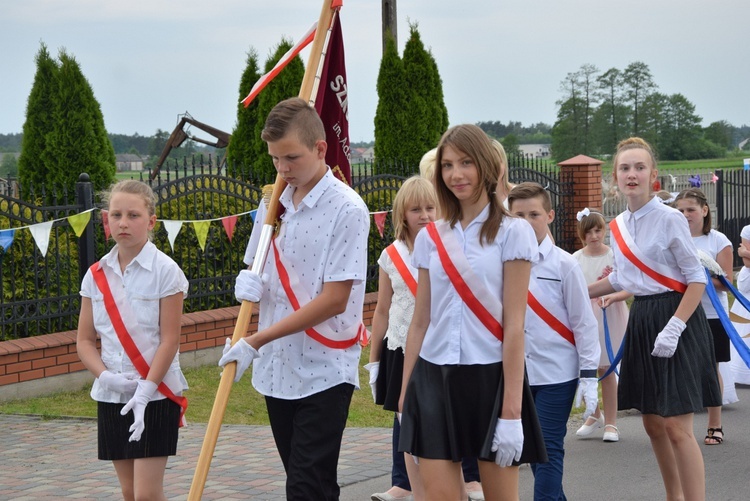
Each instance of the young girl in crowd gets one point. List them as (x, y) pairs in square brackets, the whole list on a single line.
[(132, 299), (667, 370), (694, 206), (596, 260), (464, 392), (413, 207)]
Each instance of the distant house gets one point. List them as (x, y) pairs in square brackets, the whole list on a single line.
[(129, 161), (360, 155), (535, 150)]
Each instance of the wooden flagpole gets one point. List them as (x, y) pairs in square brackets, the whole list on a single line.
[(246, 309)]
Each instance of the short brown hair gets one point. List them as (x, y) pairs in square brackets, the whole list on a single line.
[(588, 223), (527, 190), (294, 115)]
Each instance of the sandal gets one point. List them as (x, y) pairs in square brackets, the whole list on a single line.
[(712, 438)]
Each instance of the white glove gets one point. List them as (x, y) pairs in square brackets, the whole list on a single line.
[(373, 368), (242, 353), (138, 403), (508, 441), (588, 390), (249, 286), (666, 342), (119, 383)]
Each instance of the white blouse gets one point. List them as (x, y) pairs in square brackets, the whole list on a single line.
[(402, 301), (455, 335)]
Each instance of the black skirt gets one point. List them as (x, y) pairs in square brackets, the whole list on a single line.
[(451, 411), (682, 384), (159, 438), (721, 340), (389, 377)]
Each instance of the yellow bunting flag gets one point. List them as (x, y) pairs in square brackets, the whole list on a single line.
[(79, 221), (201, 231)]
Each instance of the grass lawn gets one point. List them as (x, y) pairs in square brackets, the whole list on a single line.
[(246, 406)]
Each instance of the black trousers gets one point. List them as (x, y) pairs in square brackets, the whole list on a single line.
[(308, 433)]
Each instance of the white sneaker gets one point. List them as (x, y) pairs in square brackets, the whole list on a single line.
[(588, 429), (611, 433)]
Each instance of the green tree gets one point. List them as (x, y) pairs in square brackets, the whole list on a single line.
[(566, 132), (286, 84), (638, 84), (9, 165), (511, 145), (575, 113), (684, 132), (240, 153), (428, 116), (608, 128), (391, 117), (32, 170), (719, 133), (78, 142), (654, 118)]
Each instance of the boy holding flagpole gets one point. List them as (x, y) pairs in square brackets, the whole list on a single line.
[(305, 354)]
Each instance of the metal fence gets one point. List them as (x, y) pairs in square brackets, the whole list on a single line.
[(40, 294)]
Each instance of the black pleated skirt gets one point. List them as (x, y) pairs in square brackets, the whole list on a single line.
[(682, 384), (390, 377), (450, 412), (162, 419)]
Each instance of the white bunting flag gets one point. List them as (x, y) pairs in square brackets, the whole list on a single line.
[(40, 232), (173, 228)]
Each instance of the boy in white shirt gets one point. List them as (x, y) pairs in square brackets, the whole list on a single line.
[(311, 294), (562, 337)]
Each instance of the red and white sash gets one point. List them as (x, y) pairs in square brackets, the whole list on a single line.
[(128, 331), (551, 320), (323, 333), (484, 304), (395, 252), (658, 272)]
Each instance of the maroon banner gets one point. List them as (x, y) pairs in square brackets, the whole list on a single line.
[(332, 104)]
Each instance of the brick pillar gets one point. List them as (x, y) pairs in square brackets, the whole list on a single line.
[(586, 174)]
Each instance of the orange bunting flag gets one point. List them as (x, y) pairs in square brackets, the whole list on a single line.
[(229, 223), (379, 218)]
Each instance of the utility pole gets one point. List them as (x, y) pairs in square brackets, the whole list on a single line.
[(390, 28)]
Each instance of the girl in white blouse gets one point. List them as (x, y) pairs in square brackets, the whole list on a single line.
[(464, 392), (667, 370)]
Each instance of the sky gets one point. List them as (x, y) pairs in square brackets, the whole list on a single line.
[(149, 61)]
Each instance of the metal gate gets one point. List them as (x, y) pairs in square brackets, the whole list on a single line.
[(733, 205)]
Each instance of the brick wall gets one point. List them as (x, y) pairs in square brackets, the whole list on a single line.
[(46, 364)]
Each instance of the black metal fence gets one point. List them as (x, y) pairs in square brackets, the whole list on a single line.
[(40, 294), (733, 205)]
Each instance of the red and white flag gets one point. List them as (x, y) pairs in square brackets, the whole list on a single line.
[(332, 104), (291, 54)]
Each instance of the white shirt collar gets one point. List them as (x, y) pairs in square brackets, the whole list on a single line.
[(145, 258), (652, 204), (311, 198)]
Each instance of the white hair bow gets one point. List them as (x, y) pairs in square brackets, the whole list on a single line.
[(581, 214)]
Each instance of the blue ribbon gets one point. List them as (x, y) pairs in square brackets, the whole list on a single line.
[(734, 337), (608, 345)]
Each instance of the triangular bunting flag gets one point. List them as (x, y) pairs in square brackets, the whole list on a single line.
[(6, 238), (105, 223), (379, 218), (79, 221), (201, 231), (173, 228), (40, 233), (229, 222), (254, 214)]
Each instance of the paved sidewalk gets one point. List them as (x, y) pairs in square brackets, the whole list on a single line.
[(56, 459)]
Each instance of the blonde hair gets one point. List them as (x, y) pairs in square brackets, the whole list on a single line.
[(632, 143), (133, 187), (503, 183), (427, 164), (473, 142), (415, 191)]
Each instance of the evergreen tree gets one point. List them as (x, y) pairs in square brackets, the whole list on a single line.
[(78, 141), (428, 116), (39, 122), (638, 85), (286, 84), (391, 116), (240, 153)]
